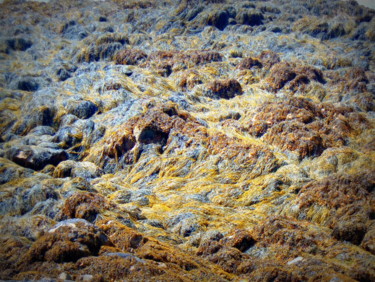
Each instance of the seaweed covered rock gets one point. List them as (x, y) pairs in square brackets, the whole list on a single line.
[(251, 18), (19, 44), (285, 75), (130, 57), (304, 127), (223, 89), (35, 157), (149, 251), (177, 59), (73, 31), (84, 205), (212, 140), (68, 241), (219, 19), (345, 204), (237, 156), (71, 168), (81, 109), (249, 63), (101, 47), (151, 128)]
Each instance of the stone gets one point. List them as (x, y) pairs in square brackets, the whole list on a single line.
[(19, 44), (223, 89), (84, 205), (82, 109), (35, 157), (130, 57), (219, 20), (73, 31), (67, 241), (71, 168)]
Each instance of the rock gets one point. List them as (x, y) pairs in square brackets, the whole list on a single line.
[(295, 137), (68, 137), (84, 205), (280, 74), (269, 58), (282, 122), (272, 273), (82, 109), (351, 232), (9, 171), (30, 227), (73, 31), (65, 276), (67, 241), (248, 63), (19, 44), (184, 224), (43, 129), (97, 53), (39, 116), (101, 48), (219, 20), (251, 18), (27, 84), (223, 89), (71, 168), (207, 140), (35, 157), (348, 200), (240, 240), (368, 242), (130, 57)]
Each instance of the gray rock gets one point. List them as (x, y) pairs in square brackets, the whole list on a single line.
[(19, 44), (81, 109), (74, 31), (9, 172), (68, 137), (125, 255), (27, 84), (42, 130), (85, 170), (35, 157)]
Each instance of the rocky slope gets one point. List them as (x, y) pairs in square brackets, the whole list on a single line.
[(189, 140)]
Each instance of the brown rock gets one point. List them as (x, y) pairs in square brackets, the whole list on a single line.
[(349, 201), (298, 125), (337, 191), (241, 240), (223, 89), (249, 63), (68, 241), (295, 137), (84, 205), (152, 127), (269, 58), (284, 73), (130, 57)]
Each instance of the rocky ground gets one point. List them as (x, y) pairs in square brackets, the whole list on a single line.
[(187, 140)]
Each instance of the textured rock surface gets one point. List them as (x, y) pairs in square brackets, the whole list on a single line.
[(187, 140)]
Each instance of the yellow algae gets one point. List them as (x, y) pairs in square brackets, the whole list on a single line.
[(318, 214)]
